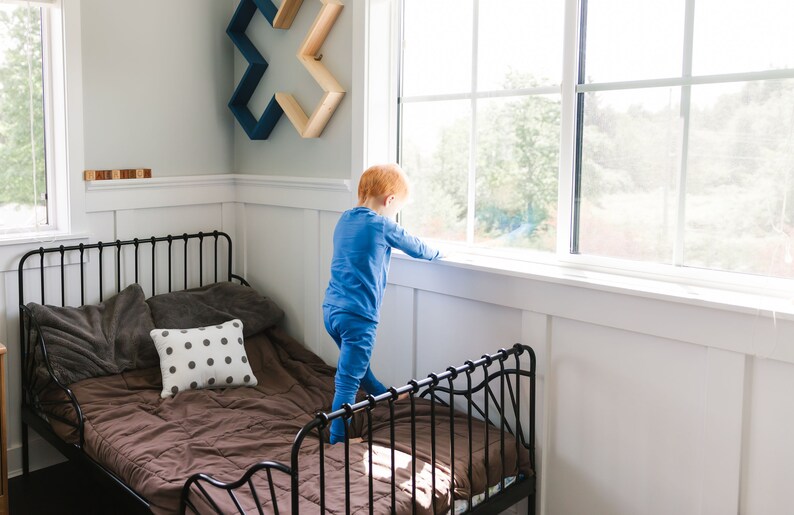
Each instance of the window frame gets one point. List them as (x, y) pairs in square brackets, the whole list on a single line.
[(381, 19), (54, 118)]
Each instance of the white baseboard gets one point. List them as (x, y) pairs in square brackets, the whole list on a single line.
[(42, 455)]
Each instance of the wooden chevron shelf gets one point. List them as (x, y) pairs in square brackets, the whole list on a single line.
[(308, 54)]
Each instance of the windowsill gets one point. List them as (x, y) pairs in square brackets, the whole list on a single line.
[(661, 289), (48, 237), (13, 247)]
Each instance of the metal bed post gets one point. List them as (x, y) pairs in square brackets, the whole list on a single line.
[(453, 374), (432, 389), (371, 486)]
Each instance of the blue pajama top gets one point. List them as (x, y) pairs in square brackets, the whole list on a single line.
[(363, 241)]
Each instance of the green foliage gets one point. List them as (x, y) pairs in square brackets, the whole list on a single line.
[(739, 179), (20, 27), (516, 174), (739, 212)]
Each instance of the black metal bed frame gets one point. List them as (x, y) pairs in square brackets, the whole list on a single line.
[(439, 389)]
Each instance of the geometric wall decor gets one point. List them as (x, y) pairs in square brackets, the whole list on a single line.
[(308, 54), (280, 18)]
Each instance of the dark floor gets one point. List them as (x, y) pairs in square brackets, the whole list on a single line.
[(64, 489)]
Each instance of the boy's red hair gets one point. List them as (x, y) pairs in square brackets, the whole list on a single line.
[(379, 180)]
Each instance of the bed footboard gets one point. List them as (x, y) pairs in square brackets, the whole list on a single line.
[(420, 448)]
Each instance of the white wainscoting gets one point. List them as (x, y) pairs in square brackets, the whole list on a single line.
[(647, 404)]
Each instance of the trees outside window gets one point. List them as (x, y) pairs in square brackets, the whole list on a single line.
[(23, 175), (683, 137)]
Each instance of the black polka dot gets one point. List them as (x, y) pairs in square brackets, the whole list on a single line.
[(211, 380), (228, 360), (172, 370), (193, 385), (229, 380), (188, 345), (235, 324), (165, 333), (183, 331), (192, 364), (224, 341), (210, 362), (240, 341), (169, 350), (206, 343), (245, 360), (174, 389), (219, 327), (247, 378), (202, 328)]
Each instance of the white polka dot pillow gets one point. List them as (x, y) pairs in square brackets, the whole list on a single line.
[(204, 357)]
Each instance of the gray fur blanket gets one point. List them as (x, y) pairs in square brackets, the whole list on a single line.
[(96, 340)]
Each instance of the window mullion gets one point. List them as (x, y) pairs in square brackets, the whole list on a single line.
[(472, 176), (48, 96), (565, 195), (579, 42), (686, 95)]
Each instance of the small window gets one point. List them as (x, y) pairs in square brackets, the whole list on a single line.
[(26, 182)]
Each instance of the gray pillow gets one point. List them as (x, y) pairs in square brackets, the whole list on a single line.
[(215, 304), (97, 340)]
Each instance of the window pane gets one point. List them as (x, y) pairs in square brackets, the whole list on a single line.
[(634, 39), (519, 44), (741, 36), (518, 141), (740, 183), (435, 155), (437, 51), (630, 163), (22, 170)]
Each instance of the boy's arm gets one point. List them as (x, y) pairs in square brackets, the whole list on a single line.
[(399, 238)]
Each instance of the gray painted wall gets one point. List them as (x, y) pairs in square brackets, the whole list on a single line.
[(285, 152), (156, 79)]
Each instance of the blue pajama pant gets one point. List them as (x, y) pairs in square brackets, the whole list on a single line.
[(355, 337)]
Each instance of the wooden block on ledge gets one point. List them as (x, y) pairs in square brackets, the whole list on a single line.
[(125, 173)]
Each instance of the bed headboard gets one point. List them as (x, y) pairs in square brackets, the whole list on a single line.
[(157, 263)]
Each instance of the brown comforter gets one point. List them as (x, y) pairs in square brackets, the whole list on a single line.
[(155, 444)]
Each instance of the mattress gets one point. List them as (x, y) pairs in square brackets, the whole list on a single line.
[(155, 444)]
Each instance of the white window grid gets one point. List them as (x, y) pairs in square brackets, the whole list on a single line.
[(570, 90)]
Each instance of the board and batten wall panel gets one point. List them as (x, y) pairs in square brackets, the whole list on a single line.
[(626, 422), (274, 239), (768, 468)]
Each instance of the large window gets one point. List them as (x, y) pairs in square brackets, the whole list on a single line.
[(25, 176), (680, 149)]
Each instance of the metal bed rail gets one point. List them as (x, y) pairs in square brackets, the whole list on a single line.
[(501, 405)]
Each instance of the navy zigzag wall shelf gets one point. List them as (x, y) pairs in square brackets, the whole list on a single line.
[(280, 18), (308, 126)]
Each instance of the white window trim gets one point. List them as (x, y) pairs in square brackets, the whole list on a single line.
[(376, 21), (64, 116)]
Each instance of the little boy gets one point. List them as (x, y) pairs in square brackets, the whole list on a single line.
[(363, 239)]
